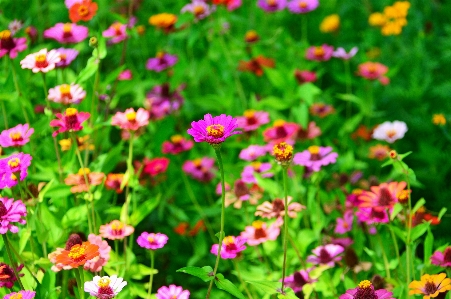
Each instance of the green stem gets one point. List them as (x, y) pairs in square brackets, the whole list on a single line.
[(10, 256), (152, 265), (285, 226), (44, 85), (16, 84), (348, 87), (95, 87), (5, 117), (221, 233), (243, 284), (116, 250), (304, 29), (384, 256), (64, 284), (130, 171)]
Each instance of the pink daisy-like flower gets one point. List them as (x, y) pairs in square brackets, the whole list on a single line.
[(70, 121), (302, 6), (13, 166), (198, 8), (96, 264), (161, 62), (21, 295), (304, 76), (373, 71), (371, 215), (41, 61), (67, 56), (326, 255), (341, 53), (161, 101), (155, 166), (11, 211), (105, 287), (256, 167), (67, 33), (311, 132), (125, 75), (390, 131), (16, 136), (231, 247), (172, 292), (213, 130), (117, 32), (78, 180), (253, 152), (131, 120), (252, 120), (366, 290), (241, 192), (70, 3), (259, 232), (315, 157), (299, 279), (152, 241), (202, 169), (321, 110), (116, 230), (176, 145), (10, 45), (382, 197), (14, 26), (272, 5), (7, 276), (281, 131), (344, 224), (67, 94), (442, 259), (276, 208), (319, 53)]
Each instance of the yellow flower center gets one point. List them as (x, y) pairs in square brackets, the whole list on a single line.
[(71, 111), (229, 240), (67, 28), (318, 51), (160, 54), (283, 152), (364, 284), (117, 225), (390, 133), (65, 144), (256, 165), (14, 162), (117, 28), (314, 149), (216, 131), (77, 252), (150, 239), (40, 58), (83, 171), (271, 2), (131, 116), (249, 113), (197, 162), (13, 177), (16, 296), (15, 136), (303, 4), (5, 35), (257, 224), (83, 10), (104, 282), (176, 138), (251, 35), (65, 90), (279, 123), (198, 10)]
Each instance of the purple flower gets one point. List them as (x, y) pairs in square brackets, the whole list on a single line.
[(341, 53), (213, 130), (13, 166), (252, 152), (366, 290), (231, 247), (21, 294), (302, 6), (198, 8), (11, 45), (298, 279), (200, 169), (256, 167), (252, 120), (161, 62), (272, 5), (11, 211), (67, 56), (67, 33), (326, 255), (17, 136), (161, 101), (315, 157), (172, 292), (372, 215), (344, 224), (442, 259), (151, 240), (319, 53)]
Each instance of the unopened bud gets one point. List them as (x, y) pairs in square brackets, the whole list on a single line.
[(393, 154), (93, 42)]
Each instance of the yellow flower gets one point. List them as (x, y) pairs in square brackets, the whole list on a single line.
[(377, 19), (430, 285), (402, 7), (393, 27), (439, 119), (163, 20), (330, 24)]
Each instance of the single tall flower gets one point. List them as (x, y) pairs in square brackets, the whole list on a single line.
[(131, 120), (83, 11), (214, 130), (302, 6), (116, 230), (152, 241), (382, 197), (326, 255), (315, 157), (231, 247), (11, 211), (117, 32), (67, 94), (172, 292), (16, 136), (252, 120), (70, 121), (155, 166), (10, 45), (161, 62), (41, 61), (67, 33), (442, 259), (259, 232), (390, 131), (21, 295), (430, 285), (105, 287), (366, 290)]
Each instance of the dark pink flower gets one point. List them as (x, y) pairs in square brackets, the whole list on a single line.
[(319, 53), (213, 130), (14, 168), (176, 145), (302, 6), (202, 170), (326, 255), (131, 120), (272, 5), (67, 33), (252, 120), (304, 76), (21, 295), (366, 290), (298, 279), (152, 241), (125, 75), (344, 224), (231, 247), (315, 157), (442, 259), (7, 276), (10, 45), (16, 136), (281, 131), (117, 32), (70, 121), (161, 101), (371, 215), (11, 211), (161, 62), (155, 166)]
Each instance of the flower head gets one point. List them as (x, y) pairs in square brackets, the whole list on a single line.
[(298, 279), (373, 71), (379, 152), (315, 157), (256, 167), (382, 197), (7, 275), (10, 45), (321, 110), (366, 290), (21, 295), (84, 10), (251, 36), (304, 76), (152, 241), (131, 120), (326, 255), (319, 53), (116, 230), (11, 211), (161, 62), (272, 5), (70, 121), (172, 292), (176, 145), (117, 32), (161, 101), (78, 181), (113, 182), (252, 120), (442, 259), (67, 33), (283, 153), (202, 169), (341, 53), (67, 56), (67, 94), (231, 247), (78, 255), (276, 208), (241, 192), (105, 287), (155, 166), (330, 23), (256, 65), (259, 232), (14, 168), (390, 131), (430, 285), (213, 130), (231, 4), (41, 61), (310, 132), (281, 131), (439, 119), (198, 8), (302, 6), (16, 136), (14, 26), (96, 264), (253, 152), (165, 21), (344, 224)]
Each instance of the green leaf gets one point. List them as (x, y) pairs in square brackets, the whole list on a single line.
[(101, 46), (88, 71), (24, 238), (441, 213), (289, 294), (144, 210), (267, 184), (276, 78), (428, 245), (52, 225), (204, 273), (269, 287), (75, 216), (273, 102), (419, 230), (350, 125), (396, 209), (418, 205), (44, 190), (228, 286), (308, 92)]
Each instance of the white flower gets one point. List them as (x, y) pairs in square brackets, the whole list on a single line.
[(105, 287), (41, 61), (341, 53), (390, 131)]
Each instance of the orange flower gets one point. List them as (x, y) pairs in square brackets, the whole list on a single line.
[(78, 255), (430, 285), (83, 11), (255, 65), (165, 21)]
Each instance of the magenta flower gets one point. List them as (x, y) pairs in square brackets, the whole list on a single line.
[(371, 215), (320, 53), (259, 232), (202, 170), (152, 241), (231, 247), (67, 56), (161, 101), (172, 292), (302, 6), (21, 295), (7, 276), (304, 76), (326, 255), (161, 62), (11, 211), (13, 166), (252, 120), (155, 166), (298, 279), (281, 131), (10, 45), (116, 230), (256, 167), (272, 5), (366, 290), (70, 121), (213, 130), (198, 8), (125, 75), (176, 145), (442, 259), (344, 224), (131, 120), (341, 53), (16, 136), (41, 61), (67, 33), (315, 157), (96, 264), (253, 152), (117, 32), (67, 94)]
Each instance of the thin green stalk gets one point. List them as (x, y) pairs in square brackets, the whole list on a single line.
[(82, 282), (304, 29), (152, 265), (298, 254), (243, 284), (285, 226), (10, 256), (221, 233), (116, 250), (44, 85), (348, 87), (16, 84), (64, 284), (5, 117), (130, 172), (95, 88), (384, 256)]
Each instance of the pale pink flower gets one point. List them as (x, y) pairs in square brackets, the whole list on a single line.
[(67, 33), (390, 131), (67, 94), (319, 53), (252, 120), (41, 61), (276, 208), (259, 232), (96, 264), (341, 53), (131, 120), (253, 152), (117, 32), (116, 230)]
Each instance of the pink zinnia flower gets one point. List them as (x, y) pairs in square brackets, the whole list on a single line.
[(366, 290), (67, 33), (302, 6), (67, 56), (78, 180), (13, 166), (16, 136), (442, 259), (7, 276), (161, 101), (315, 157), (117, 32), (256, 167), (319, 53), (272, 5), (259, 232), (70, 121), (373, 71), (322, 110), (241, 192), (116, 230), (311, 132), (70, 3), (281, 131), (326, 255), (11, 45), (344, 224), (106, 287), (172, 292), (198, 8), (202, 169), (11, 211), (390, 131), (253, 152), (371, 215), (131, 120), (41, 61), (298, 279), (382, 197), (21, 295), (252, 120), (152, 241), (67, 94), (304, 76), (276, 208), (341, 53), (125, 75), (155, 166), (231, 247), (161, 62), (213, 130), (96, 264), (176, 145)]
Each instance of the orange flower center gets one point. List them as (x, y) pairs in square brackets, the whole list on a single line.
[(257, 224), (104, 282), (372, 68), (41, 60), (14, 162), (151, 239), (67, 28), (117, 226), (283, 152), (303, 4), (160, 54), (71, 111), (83, 171), (63, 57), (131, 116), (279, 123), (197, 162), (83, 10), (198, 10), (318, 52), (5, 35), (176, 139), (117, 28), (249, 113), (15, 136), (391, 133), (271, 2), (314, 149), (77, 252), (16, 296), (216, 131), (364, 284), (65, 90), (256, 165)]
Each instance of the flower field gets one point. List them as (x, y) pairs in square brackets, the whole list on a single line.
[(250, 149)]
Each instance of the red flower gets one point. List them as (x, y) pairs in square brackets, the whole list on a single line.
[(255, 65), (83, 11)]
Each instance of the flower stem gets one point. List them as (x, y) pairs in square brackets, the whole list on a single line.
[(95, 87), (16, 84), (243, 284), (221, 233), (5, 117), (10, 256), (285, 225), (130, 171), (152, 265), (384, 256)]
